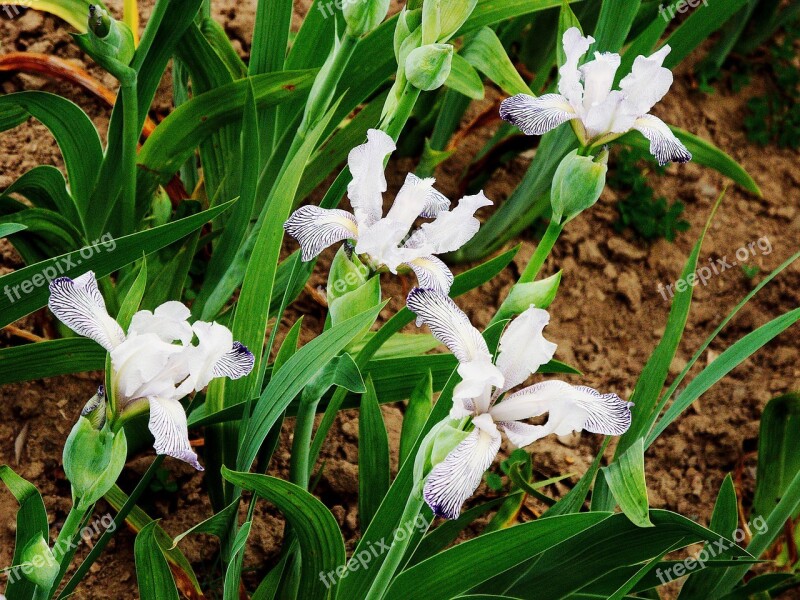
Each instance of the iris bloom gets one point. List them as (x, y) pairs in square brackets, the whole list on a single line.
[(480, 397), (384, 242), (598, 113), (156, 363)]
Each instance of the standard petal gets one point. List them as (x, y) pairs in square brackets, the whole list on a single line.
[(648, 82), (145, 365), (80, 306), (369, 181), (236, 363), (417, 198), (451, 229), (457, 477), (569, 80), (478, 377), (663, 143), (317, 228), (381, 240), (523, 347), (598, 77), (169, 322), (432, 273), (569, 408), (537, 116), (168, 426), (449, 324)]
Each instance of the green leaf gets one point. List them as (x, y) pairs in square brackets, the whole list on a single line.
[(420, 404), (55, 230), (7, 229), (485, 52), (464, 78), (373, 457), (703, 153), (321, 544), (31, 524), (218, 525), (152, 570), (466, 565), (613, 25), (50, 358), (488, 12), (77, 138), (74, 12), (724, 364), (44, 187), (106, 257), (298, 371), (698, 27), (626, 479)]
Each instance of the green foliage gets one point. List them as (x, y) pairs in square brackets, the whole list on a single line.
[(648, 217)]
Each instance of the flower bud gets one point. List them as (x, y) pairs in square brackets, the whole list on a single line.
[(93, 456), (428, 67), (108, 41), (407, 33), (577, 185), (441, 19), (362, 16), (38, 555), (351, 289)]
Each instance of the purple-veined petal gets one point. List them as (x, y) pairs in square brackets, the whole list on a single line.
[(451, 229), (448, 324), (169, 322), (317, 228), (432, 273), (537, 116), (457, 477), (215, 344), (522, 434), (663, 143), (569, 80), (369, 181), (80, 306), (236, 363), (598, 77), (648, 82), (523, 347), (608, 414), (168, 425)]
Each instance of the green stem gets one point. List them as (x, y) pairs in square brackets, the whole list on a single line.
[(130, 141), (300, 469), (64, 543), (398, 548), (394, 122), (126, 508)]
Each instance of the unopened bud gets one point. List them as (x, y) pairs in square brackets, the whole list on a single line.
[(577, 185), (441, 19), (428, 67), (362, 16)]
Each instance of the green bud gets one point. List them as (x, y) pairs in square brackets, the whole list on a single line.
[(93, 457), (440, 441), (347, 274), (577, 185), (407, 33), (441, 19), (362, 16), (428, 67), (108, 41), (99, 21), (38, 563), (538, 293)]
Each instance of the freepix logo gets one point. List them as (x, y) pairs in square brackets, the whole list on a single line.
[(59, 267)]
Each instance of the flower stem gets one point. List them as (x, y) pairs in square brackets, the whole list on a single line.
[(64, 543), (543, 250), (398, 548), (130, 141), (300, 469)]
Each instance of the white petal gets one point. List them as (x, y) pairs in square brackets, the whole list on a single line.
[(647, 82), (523, 347), (80, 306), (598, 77), (169, 322), (432, 273), (522, 434), (610, 116), (449, 324), (213, 354), (452, 229), (168, 426), (416, 198), (317, 228), (569, 81), (663, 143), (237, 362), (478, 377), (145, 365), (570, 408), (457, 477), (381, 242), (462, 407), (369, 181), (537, 116)]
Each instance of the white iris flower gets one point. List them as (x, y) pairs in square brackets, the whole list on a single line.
[(385, 241), (479, 397), (155, 364), (598, 113)]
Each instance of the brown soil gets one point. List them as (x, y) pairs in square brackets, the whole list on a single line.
[(607, 319)]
